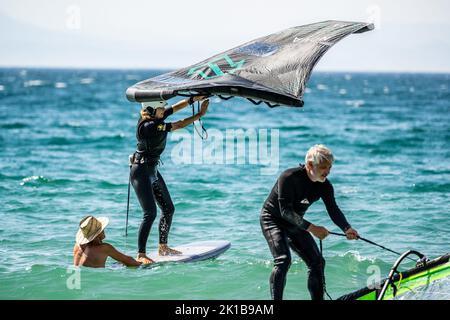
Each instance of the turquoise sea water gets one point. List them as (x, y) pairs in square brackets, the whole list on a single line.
[(64, 145)]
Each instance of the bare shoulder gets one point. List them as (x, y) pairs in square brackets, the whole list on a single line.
[(107, 247)]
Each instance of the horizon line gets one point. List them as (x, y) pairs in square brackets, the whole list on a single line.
[(121, 68)]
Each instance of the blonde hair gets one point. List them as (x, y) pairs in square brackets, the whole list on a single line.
[(319, 154)]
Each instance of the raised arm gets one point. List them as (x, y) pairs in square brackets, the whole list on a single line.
[(185, 122), (122, 258), (186, 102)]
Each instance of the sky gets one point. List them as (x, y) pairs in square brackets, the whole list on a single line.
[(410, 36)]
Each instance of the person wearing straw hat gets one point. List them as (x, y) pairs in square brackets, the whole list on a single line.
[(91, 251)]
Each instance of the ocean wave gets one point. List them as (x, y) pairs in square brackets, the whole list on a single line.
[(9, 177), (87, 80), (109, 185), (431, 187), (353, 256), (78, 185), (355, 103), (14, 125), (416, 129), (34, 83), (41, 180), (299, 128), (60, 85), (349, 190), (433, 171), (33, 180), (208, 194), (72, 124), (402, 142), (62, 141)]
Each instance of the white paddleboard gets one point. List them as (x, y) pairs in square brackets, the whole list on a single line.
[(194, 251)]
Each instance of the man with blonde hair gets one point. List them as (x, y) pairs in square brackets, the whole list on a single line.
[(283, 224)]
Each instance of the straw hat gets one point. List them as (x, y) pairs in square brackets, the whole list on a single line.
[(90, 228)]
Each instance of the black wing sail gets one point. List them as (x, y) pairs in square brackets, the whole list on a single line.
[(273, 69)]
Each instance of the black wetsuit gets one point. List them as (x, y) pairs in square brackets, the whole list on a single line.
[(147, 182), (283, 226)]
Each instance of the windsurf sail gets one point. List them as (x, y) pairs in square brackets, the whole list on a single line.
[(273, 69), (430, 280)]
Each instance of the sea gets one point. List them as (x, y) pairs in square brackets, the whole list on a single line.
[(66, 135)]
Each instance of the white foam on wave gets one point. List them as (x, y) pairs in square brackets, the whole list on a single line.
[(307, 90), (322, 87), (60, 85), (2, 87), (342, 91), (355, 103), (32, 178), (87, 80), (347, 190), (348, 77), (33, 83), (355, 255), (74, 124)]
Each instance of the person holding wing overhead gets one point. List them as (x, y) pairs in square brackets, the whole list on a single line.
[(147, 182)]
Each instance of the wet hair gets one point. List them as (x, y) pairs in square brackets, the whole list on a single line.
[(146, 113), (319, 154)]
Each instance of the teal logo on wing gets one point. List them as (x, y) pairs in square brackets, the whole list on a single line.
[(216, 68)]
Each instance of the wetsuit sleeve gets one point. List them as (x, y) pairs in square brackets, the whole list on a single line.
[(150, 128), (333, 210), (167, 112), (286, 198)]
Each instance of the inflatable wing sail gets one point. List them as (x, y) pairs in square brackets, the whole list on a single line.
[(273, 69)]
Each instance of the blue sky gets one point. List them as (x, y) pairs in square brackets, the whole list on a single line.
[(411, 36)]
